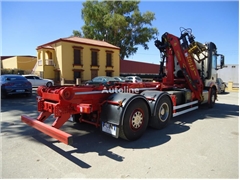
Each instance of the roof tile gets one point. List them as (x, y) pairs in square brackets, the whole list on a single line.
[(80, 40)]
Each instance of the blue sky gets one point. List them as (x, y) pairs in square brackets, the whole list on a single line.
[(26, 25)]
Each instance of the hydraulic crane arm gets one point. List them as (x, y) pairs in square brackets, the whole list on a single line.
[(170, 47)]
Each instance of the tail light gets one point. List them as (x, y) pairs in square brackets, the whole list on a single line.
[(8, 84), (28, 83)]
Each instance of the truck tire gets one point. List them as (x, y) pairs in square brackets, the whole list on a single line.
[(212, 98), (163, 113), (135, 120)]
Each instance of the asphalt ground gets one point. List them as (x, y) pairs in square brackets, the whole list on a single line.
[(200, 144)]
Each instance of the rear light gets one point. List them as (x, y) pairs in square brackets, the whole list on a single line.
[(9, 84), (28, 83)]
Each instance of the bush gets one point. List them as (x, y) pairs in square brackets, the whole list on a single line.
[(15, 71)]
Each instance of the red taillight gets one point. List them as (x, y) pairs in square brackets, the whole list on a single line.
[(9, 84), (28, 83)]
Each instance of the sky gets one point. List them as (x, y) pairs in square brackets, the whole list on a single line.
[(26, 25)]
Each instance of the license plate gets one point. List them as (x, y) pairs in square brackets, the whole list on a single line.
[(109, 128), (20, 90)]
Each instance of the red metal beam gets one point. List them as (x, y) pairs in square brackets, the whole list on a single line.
[(46, 129)]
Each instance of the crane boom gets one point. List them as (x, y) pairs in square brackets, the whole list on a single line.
[(188, 66)]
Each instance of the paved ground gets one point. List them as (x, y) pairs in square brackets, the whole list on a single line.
[(201, 144)]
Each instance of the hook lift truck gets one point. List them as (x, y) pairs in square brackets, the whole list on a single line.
[(187, 76)]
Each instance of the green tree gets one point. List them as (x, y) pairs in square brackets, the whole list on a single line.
[(77, 33), (120, 23)]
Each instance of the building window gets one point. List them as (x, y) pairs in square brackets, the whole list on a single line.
[(109, 73), (57, 76), (109, 59), (77, 74), (77, 56), (94, 73), (94, 58)]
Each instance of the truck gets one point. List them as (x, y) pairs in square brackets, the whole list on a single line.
[(186, 80)]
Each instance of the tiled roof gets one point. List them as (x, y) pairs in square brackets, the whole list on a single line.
[(91, 41), (46, 47), (81, 41), (134, 67)]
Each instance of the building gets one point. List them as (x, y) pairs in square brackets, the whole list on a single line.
[(74, 57), (25, 63), (230, 73), (141, 69)]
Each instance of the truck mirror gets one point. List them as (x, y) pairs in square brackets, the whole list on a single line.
[(222, 61)]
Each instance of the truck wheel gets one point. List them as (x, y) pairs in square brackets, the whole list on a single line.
[(163, 113), (212, 98), (135, 120)]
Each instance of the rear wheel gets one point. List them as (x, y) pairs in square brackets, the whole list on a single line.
[(135, 120), (163, 113), (49, 84)]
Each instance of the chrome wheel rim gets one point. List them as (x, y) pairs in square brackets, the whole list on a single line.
[(137, 119), (163, 112)]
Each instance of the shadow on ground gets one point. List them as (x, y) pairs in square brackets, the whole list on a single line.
[(87, 138)]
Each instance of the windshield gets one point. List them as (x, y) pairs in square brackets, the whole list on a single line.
[(214, 61), (13, 78), (129, 77)]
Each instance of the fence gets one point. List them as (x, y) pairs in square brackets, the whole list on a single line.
[(15, 71)]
